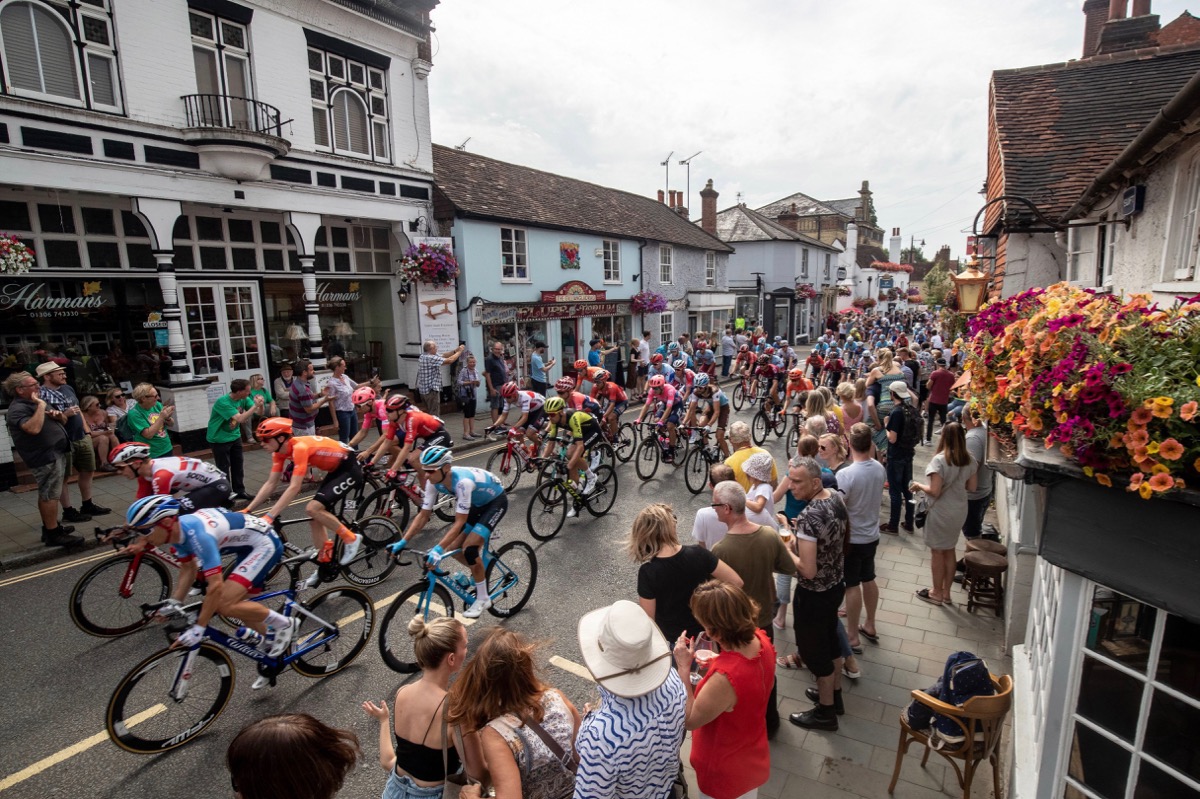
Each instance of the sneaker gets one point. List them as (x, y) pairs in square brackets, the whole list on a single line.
[(589, 483), (853, 675), (350, 550), (477, 608), (813, 720), (277, 641), (60, 537), (260, 683), (311, 581), (572, 511), (92, 509), (814, 696), (72, 515)]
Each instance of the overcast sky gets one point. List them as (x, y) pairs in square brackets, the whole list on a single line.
[(779, 95)]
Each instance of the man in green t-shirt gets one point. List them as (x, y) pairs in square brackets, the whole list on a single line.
[(225, 434), (148, 420)]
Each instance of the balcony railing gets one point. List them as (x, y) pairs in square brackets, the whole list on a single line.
[(235, 113)]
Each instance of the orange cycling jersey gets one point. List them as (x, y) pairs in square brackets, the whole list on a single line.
[(588, 374), (319, 452), (418, 424), (611, 392)]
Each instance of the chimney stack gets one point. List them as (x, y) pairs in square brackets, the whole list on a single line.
[(662, 196), (895, 246), (790, 219), (1141, 8), (1128, 33), (1116, 9), (708, 208), (682, 210), (1095, 13)]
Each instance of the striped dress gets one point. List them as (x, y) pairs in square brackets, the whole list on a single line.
[(629, 748)]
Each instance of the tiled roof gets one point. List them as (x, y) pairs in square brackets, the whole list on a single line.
[(848, 206), (739, 224), (486, 188), (865, 255), (1060, 125), (805, 206)]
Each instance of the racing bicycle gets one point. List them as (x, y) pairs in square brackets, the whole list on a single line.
[(547, 511)]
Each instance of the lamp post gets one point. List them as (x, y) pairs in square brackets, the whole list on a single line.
[(758, 290), (969, 287)]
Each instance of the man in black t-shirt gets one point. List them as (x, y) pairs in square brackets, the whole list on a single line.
[(495, 371), (900, 458)]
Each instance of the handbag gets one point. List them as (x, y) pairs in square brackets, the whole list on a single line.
[(679, 788), (924, 505), (454, 782), (571, 763)]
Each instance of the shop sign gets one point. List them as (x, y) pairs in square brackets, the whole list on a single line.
[(886, 282), (437, 313), (574, 291), (155, 322), (331, 298), (34, 299), (500, 314)]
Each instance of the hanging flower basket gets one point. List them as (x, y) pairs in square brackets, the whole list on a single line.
[(885, 266), (15, 257), (1058, 365), (844, 291), (864, 303), (805, 291), (648, 302), (425, 263)]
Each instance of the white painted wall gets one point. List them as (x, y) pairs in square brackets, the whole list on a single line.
[(1033, 260)]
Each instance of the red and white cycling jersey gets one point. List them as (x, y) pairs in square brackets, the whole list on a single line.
[(169, 475), (528, 400)]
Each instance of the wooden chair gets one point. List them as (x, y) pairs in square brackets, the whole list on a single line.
[(981, 721)]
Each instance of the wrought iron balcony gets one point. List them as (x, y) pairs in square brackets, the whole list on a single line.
[(235, 137), (234, 113)]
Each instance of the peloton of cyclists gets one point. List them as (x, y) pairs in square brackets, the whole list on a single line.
[(479, 505), (585, 434), (202, 485), (530, 403)]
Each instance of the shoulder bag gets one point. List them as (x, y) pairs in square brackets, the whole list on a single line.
[(454, 782)]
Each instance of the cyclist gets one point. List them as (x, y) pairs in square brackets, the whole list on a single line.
[(659, 366), (585, 434), (744, 363), (613, 399), (659, 390), (796, 392), (585, 373), (683, 379), (203, 485), (372, 409), (706, 359), (343, 475), (576, 399), (421, 430), (674, 353), (531, 404), (199, 540), (834, 366), (480, 504), (815, 364), (767, 376), (708, 405)]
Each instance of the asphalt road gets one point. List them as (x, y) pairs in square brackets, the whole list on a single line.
[(57, 680)]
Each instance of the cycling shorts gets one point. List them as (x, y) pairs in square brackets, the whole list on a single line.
[(723, 417), (487, 516), (339, 483), (440, 438), (213, 495), (673, 415), (254, 565), (590, 434), (618, 407), (536, 416)]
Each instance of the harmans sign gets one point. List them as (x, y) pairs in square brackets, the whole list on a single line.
[(24, 297)]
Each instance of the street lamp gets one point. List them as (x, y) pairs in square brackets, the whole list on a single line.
[(969, 286), (402, 292)]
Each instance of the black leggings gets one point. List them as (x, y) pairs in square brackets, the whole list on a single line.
[(940, 410)]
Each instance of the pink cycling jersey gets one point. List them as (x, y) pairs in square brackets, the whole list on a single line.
[(377, 412), (666, 393)]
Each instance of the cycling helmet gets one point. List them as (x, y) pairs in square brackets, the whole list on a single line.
[(273, 426), (700, 381), (508, 390), (362, 394), (436, 457), (656, 358), (601, 376), (764, 359), (701, 344), (679, 364), (657, 381), (769, 351), (744, 348), (397, 402), (149, 511), (565, 385), (129, 451), (796, 374), (580, 365), (673, 346), (555, 405)]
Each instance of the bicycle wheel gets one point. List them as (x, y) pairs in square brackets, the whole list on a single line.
[(512, 572), (97, 606), (547, 511), (548, 473), (507, 467), (778, 425), (350, 611), (648, 456), (389, 501), (145, 717), (444, 508), (695, 470), (605, 494), (373, 563), (760, 427), (739, 396), (395, 644), (793, 439), (626, 443)]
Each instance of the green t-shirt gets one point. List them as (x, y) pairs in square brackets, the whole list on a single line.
[(266, 395), (225, 408), (140, 419)]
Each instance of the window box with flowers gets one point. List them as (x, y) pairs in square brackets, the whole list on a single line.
[(805, 291), (844, 291), (647, 302), (429, 263), (864, 303), (15, 257), (885, 266)]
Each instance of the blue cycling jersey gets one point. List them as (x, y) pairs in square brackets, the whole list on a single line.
[(210, 532), (471, 488)]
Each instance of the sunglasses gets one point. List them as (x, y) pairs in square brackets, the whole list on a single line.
[(719, 505)]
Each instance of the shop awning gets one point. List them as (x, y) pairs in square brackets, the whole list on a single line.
[(710, 300)]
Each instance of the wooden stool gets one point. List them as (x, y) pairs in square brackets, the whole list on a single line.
[(985, 572), (982, 545)]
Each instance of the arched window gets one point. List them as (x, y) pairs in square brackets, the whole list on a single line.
[(39, 51), (350, 130)]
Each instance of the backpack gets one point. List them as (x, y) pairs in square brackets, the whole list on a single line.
[(124, 429), (964, 676), (910, 436)]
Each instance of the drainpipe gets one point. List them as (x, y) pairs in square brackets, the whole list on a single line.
[(642, 278)]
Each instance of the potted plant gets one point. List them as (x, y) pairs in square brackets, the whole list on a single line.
[(864, 303), (806, 291), (15, 257), (648, 302), (429, 263), (844, 291)]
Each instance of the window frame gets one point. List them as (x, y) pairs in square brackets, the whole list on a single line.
[(804, 263), (828, 267), (520, 255), (1081, 255), (380, 258), (373, 87), (82, 49), (666, 265), (710, 268), (222, 52), (1182, 248), (611, 252), (666, 327)]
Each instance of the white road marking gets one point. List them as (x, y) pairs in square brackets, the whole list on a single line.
[(571, 666), (71, 751)]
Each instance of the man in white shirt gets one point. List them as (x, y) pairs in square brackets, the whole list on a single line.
[(707, 529), (643, 346), (862, 484)]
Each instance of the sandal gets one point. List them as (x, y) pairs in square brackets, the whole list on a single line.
[(924, 596), (791, 661), (872, 637)]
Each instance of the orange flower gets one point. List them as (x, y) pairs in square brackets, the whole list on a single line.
[(1161, 482), (1035, 422), (1162, 411), (1141, 416), (1188, 411), (1171, 449), (1135, 482), (1140, 453), (1139, 438), (1196, 465), (1104, 480)]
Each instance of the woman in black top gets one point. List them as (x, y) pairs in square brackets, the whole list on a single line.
[(670, 572)]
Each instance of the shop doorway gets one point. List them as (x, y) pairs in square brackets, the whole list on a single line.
[(570, 342), (221, 329)]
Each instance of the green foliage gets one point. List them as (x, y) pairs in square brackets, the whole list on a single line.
[(937, 285)]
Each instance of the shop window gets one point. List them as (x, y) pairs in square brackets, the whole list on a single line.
[(349, 106), (245, 244), (666, 327), (710, 269), (514, 255), (41, 45), (666, 271), (1138, 706), (357, 248), (612, 261)]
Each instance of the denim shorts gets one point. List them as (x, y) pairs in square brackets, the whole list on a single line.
[(50, 478), (403, 787)]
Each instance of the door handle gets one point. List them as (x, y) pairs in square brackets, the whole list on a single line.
[(231, 362)]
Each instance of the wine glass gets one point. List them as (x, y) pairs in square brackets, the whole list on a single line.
[(705, 652)]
